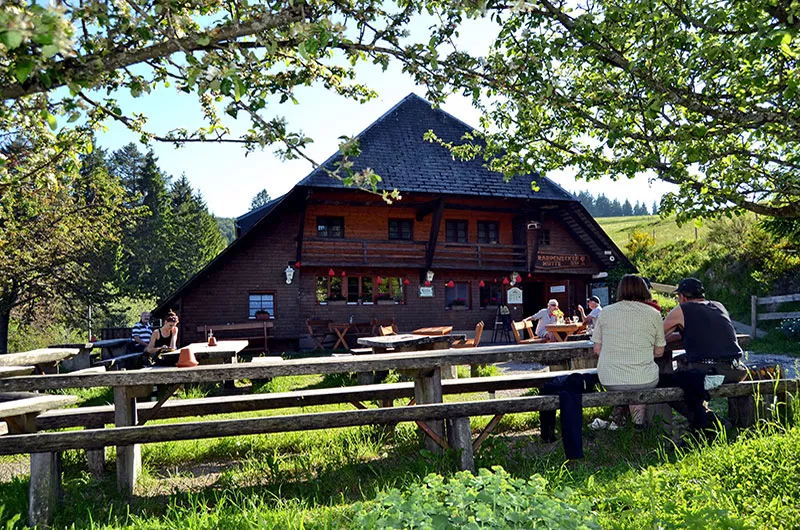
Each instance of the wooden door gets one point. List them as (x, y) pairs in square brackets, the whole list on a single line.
[(561, 290)]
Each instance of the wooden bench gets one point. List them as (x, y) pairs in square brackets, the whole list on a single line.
[(243, 331), (457, 414)]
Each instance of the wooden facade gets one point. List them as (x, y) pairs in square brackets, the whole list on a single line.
[(355, 258)]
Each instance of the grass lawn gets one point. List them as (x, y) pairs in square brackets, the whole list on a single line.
[(666, 230), (337, 478)]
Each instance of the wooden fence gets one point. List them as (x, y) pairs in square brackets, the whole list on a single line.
[(756, 301)]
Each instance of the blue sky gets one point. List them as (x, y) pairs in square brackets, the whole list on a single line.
[(228, 178)]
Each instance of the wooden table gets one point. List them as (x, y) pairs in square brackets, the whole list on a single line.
[(43, 360), (340, 329), (18, 410), (109, 348), (436, 330), (562, 331), (427, 364), (226, 351)]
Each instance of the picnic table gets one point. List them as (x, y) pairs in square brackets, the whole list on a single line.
[(43, 360), (435, 330), (18, 411), (226, 351), (341, 329), (562, 331), (109, 348), (426, 365)]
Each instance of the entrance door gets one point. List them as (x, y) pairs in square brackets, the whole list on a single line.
[(533, 298), (561, 291)]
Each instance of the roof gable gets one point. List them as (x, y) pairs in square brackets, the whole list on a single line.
[(394, 147)]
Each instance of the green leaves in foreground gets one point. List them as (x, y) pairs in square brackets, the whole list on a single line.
[(492, 499)]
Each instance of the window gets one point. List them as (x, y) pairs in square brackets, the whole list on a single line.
[(262, 302), (391, 290), (332, 227), (328, 289), (456, 231), (491, 294), (359, 290), (457, 297), (544, 238), (488, 232), (401, 229)]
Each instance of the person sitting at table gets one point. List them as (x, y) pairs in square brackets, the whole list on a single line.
[(548, 315), (164, 338), (140, 334), (594, 311), (628, 336)]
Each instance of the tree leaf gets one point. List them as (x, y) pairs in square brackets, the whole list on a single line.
[(11, 38), (23, 69)]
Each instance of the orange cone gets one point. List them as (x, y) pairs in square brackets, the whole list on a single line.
[(187, 359)]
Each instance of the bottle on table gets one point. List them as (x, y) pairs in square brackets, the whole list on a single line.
[(212, 340)]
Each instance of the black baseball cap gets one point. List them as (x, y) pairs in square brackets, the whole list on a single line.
[(691, 287), (595, 299)]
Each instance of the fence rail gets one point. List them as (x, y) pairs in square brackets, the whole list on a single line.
[(756, 301)]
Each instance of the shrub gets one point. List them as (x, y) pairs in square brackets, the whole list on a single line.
[(492, 499), (639, 245)]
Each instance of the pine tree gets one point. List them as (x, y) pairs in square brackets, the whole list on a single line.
[(261, 198), (194, 237), (627, 209)]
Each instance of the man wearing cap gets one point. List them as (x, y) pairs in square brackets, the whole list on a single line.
[(708, 334), (546, 316), (710, 342), (594, 311)]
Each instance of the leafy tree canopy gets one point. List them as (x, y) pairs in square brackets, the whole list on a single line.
[(65, 63), (702, 93)]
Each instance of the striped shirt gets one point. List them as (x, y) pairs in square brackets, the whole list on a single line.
[(142, 331), (627, 332)]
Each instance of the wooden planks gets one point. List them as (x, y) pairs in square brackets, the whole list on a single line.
[(10, 371), (549, 353), (103, 415), (95, 438), (20, 403), (34, 357)]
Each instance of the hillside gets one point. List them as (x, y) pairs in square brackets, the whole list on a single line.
[(666, 231)]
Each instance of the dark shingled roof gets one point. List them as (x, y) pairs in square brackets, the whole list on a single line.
[(246, 221), (393, 146)]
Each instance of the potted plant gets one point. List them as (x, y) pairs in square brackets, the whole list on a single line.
[(262, 315), (383, 299)]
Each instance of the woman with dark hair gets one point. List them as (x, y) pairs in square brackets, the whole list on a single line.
[(164, 338), (628, 336)]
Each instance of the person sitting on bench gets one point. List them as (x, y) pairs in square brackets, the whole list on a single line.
[(140, 334), (546, 316), (628, 336), (164, 338)]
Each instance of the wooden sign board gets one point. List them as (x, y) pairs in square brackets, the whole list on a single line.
[(561, 261)]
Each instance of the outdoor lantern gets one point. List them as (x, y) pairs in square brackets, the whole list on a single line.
[(427, 283), (289, 272), (296, 264), (481, 284), (331, 273), (429, 276), (451, 284), (379, 280), (406, 282), (344, 274), (506, 281)]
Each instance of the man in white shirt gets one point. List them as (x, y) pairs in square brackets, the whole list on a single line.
[(594, 311), (546, 316)]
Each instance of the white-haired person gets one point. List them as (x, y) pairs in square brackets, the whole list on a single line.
[(545, 317)]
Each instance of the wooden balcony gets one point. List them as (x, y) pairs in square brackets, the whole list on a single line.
[(383, 253)]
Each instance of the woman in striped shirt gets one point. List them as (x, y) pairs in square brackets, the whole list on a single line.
[(628, 336)]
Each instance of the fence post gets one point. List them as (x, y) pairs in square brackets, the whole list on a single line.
[(753, 320)]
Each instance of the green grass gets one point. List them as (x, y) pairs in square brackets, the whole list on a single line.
[(666, 230)]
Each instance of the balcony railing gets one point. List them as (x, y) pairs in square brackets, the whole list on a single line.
[(383, 253)]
